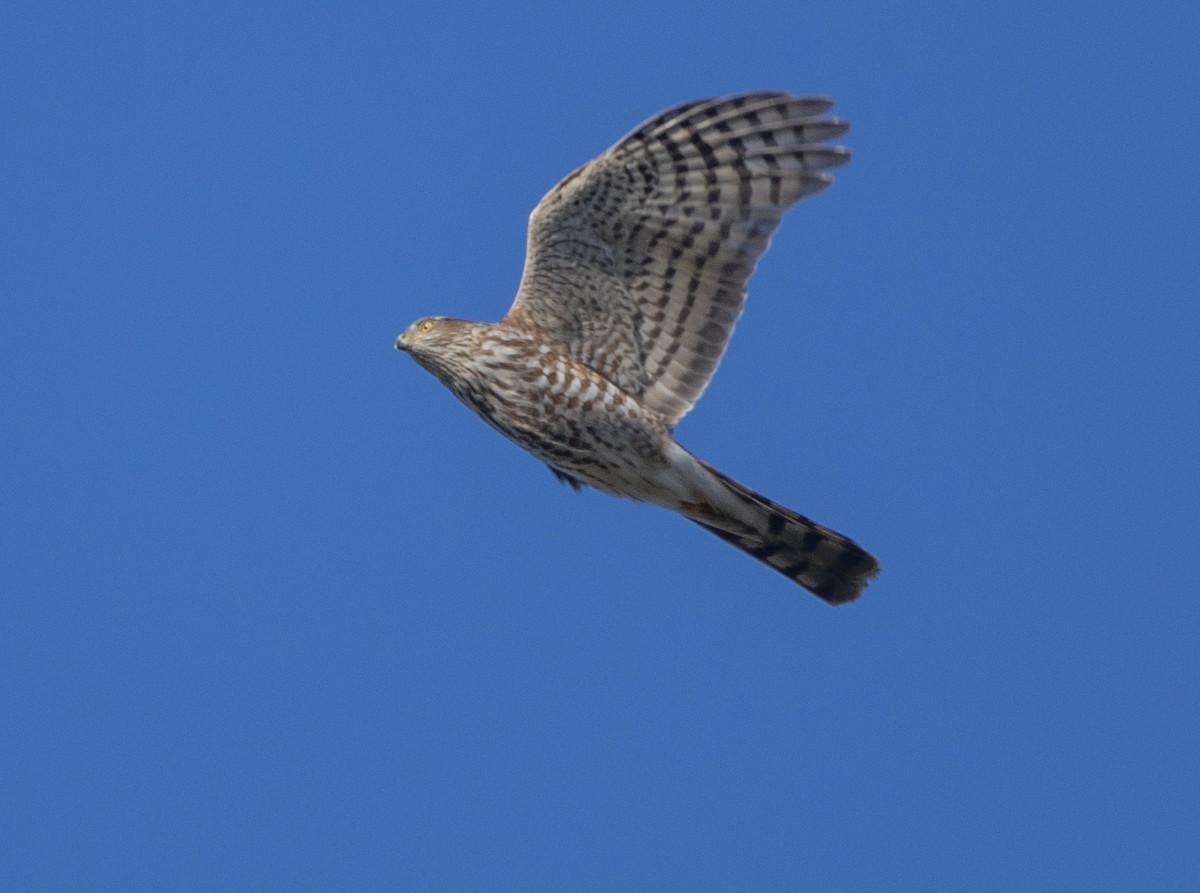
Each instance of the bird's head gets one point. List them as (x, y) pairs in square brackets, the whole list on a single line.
[(446, 347), (423, 331)]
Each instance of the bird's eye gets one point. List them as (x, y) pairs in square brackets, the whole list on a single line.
[(426, 325)]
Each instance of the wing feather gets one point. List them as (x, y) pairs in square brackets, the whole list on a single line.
[(637, 262)]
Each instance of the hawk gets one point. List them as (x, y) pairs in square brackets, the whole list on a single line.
[(635, 273)]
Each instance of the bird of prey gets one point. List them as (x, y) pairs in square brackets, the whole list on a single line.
[(635, 273)]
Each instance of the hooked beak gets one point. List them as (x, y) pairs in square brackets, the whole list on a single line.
[(402, 341)]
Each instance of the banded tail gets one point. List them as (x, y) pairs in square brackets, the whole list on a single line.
[(824, 562)]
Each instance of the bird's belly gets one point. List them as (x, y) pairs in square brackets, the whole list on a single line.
[(611, 445), (584, 426)]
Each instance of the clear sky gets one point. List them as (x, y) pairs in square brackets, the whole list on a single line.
[(277, 613)]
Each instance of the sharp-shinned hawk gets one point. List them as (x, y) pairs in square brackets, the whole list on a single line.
[(635, 273)]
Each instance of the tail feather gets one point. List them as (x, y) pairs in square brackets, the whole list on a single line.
[(821, 560)]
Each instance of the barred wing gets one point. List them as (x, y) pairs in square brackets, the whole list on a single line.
[(637, 262)]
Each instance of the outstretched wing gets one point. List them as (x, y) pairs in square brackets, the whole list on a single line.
[(637, 262)]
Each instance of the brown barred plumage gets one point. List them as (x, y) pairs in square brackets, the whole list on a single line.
[(635, 273)]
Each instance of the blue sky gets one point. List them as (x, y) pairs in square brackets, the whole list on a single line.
[(279, 614)]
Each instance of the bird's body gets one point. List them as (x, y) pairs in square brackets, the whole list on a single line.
[(576, 420), (635, 274)]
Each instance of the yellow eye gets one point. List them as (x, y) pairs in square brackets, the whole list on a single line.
[(425, 326)]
